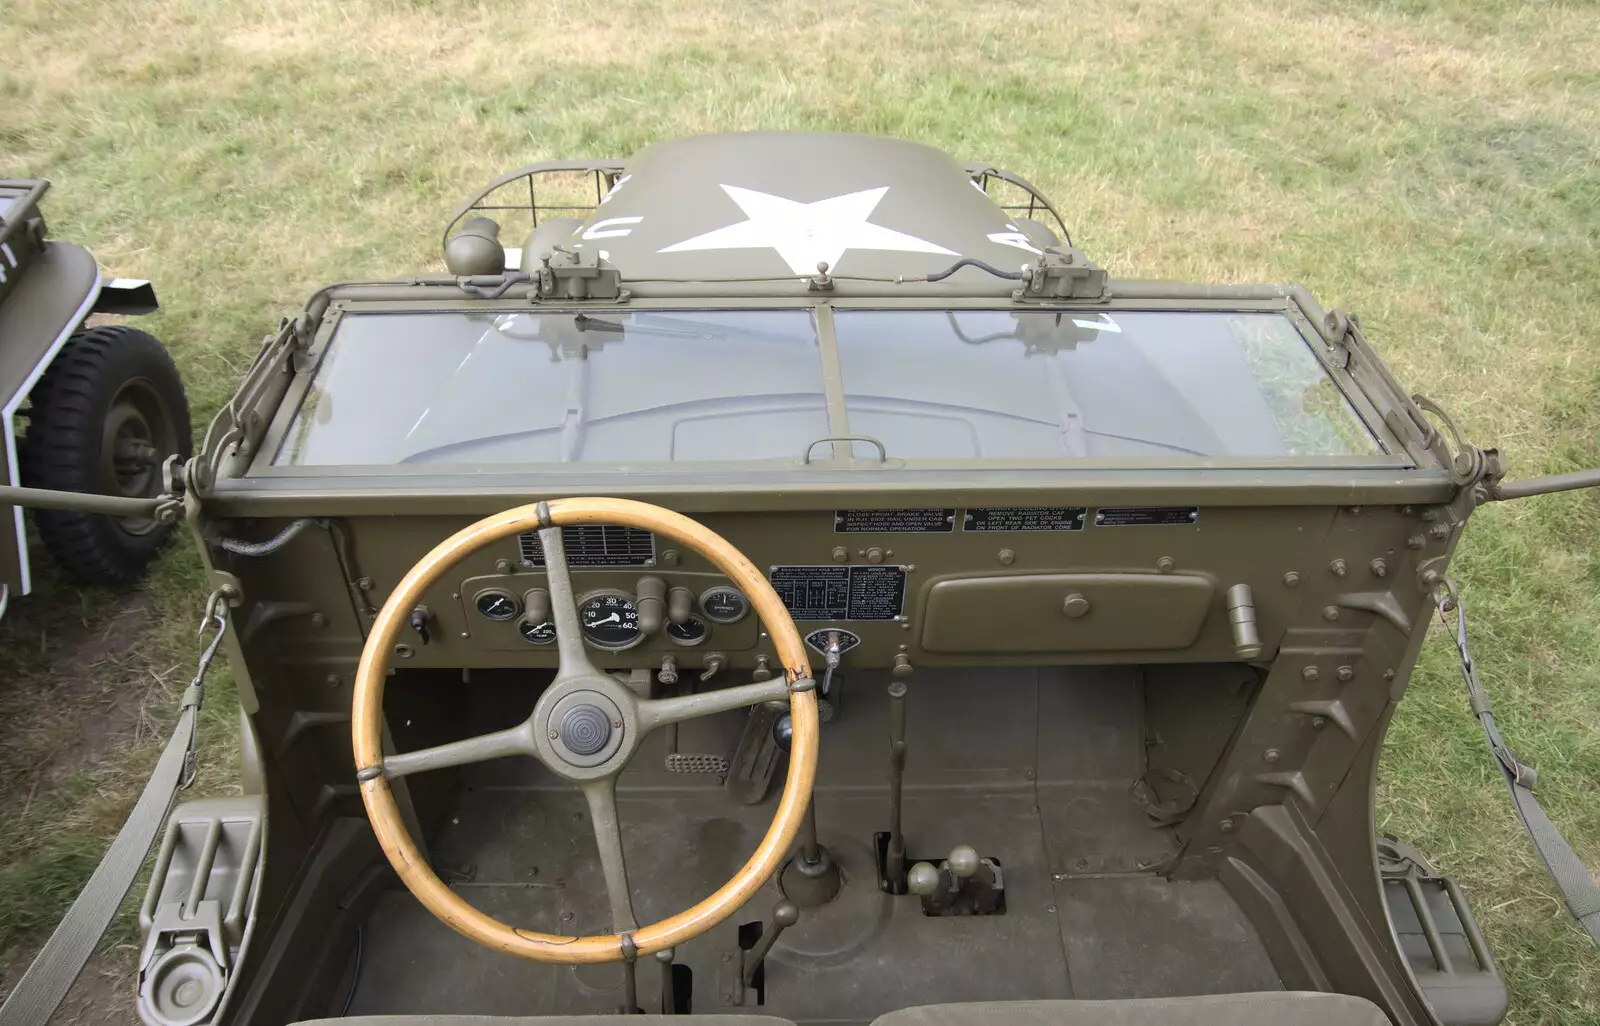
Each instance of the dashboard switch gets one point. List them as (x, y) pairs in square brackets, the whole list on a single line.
[(420, 618)]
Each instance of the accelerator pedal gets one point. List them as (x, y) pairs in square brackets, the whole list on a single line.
[(684, 762)]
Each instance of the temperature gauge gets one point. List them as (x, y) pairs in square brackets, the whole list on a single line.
[(542, 633)]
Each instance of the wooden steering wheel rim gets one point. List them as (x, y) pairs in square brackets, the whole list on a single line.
[(396, 840)]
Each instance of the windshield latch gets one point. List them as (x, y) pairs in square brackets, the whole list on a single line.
[(570, 274), (1062, 272)]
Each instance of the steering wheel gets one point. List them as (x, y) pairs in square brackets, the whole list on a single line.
[(584, 728)]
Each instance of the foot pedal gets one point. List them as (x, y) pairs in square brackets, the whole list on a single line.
[(680, 762), (757, 757)]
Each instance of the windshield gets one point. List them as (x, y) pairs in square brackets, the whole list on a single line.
[(562, 388), (1034, 384), (627, 387)]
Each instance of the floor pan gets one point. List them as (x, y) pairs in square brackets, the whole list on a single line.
[(1083, 918)]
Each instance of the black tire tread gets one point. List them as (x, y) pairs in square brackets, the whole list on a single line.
[(61, 448)]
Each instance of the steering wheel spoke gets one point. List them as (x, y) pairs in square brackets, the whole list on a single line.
[(602, 795), (517, 740), (660, 712), (564, 608)]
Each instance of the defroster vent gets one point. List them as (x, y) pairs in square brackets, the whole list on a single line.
[(594, 545)]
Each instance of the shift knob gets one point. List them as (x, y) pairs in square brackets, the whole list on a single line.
[(785, 914), (963, 860), (923, 879)]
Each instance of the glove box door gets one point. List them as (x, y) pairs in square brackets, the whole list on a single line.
[(1065, 613)]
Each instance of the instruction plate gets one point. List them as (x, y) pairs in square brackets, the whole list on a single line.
[(841, 592), (1025, 518), (894, 521), (1146, 516)]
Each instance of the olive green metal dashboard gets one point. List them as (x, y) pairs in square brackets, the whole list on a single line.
[(902, 587)]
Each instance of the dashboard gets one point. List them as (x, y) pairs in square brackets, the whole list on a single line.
[(899, 588)]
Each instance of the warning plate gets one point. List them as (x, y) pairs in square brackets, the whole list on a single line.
[(894, 521), (841, 592), (1146, 516), (1025, 518)]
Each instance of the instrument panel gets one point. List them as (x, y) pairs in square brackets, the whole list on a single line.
[(982, 585)]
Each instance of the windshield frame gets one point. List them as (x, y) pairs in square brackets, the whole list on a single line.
[(837, 456)]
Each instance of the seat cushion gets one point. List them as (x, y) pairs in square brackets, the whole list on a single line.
[(552, 1020), (1276, 1008)]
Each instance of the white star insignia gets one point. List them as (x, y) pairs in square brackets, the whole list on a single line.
[(805, 234)]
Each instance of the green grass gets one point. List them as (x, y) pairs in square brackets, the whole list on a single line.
[(1429, 165)]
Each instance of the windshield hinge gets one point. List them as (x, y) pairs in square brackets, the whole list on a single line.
[(1061, 273), (568, 274)]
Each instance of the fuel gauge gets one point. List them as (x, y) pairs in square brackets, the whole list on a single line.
[(690, 632)]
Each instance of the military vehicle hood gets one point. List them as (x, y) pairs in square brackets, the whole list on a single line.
[(776, 204)]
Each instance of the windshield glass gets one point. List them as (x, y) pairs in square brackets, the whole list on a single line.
[(641, 386), (1038, 384), (612, 387)]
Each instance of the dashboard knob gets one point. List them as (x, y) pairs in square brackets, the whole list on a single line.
[(922, 879), (1075, 606), (963, 860)]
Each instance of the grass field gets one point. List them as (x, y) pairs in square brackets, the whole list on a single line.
[(1433, 165)]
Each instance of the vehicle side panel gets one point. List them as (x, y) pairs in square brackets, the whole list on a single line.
[(54, 296)]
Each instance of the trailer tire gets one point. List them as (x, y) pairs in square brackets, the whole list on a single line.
[(104, 417)]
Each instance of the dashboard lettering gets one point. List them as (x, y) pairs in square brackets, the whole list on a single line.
[(1025, 518), (841, 592), (894, 521), (1146, 516)]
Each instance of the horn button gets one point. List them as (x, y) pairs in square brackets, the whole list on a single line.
[(585, 728)]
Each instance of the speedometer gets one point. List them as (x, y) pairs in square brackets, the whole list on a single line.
[(610, 621)]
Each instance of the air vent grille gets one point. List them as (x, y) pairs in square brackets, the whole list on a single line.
[(590, 545)]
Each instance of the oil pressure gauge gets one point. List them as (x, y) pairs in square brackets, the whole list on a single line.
[(610, 620), (495, 604)]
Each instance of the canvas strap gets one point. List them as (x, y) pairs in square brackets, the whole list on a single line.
[(1573, 879), (44, 986)]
